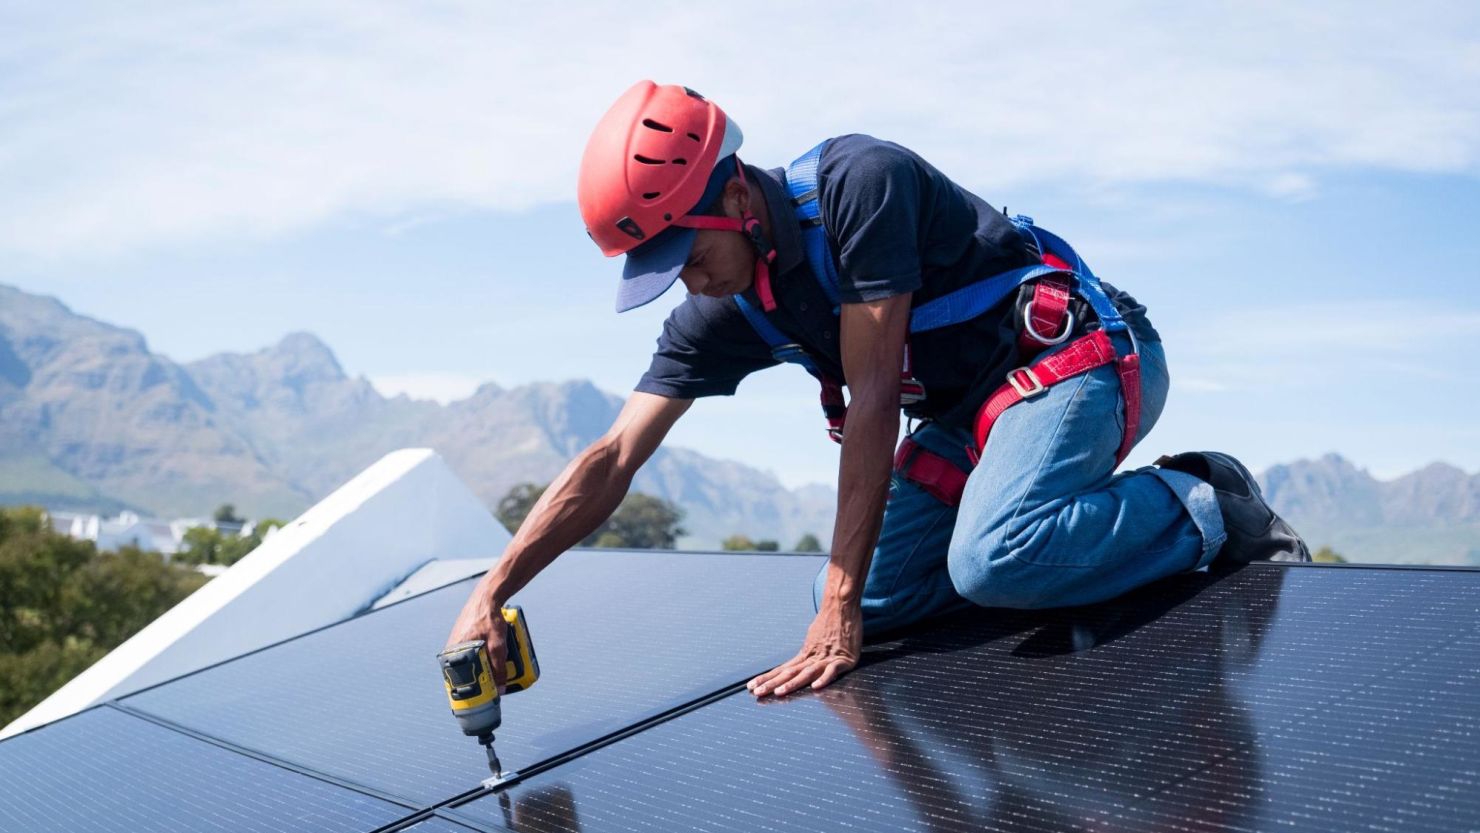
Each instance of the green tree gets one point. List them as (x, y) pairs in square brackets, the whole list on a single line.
[(808, 543), (35, 567), (767, 545), (201, 545), (1329, 556), (515, 506), (208, 545), (226, 514), (639, 522), (737, 542), (63, 604)]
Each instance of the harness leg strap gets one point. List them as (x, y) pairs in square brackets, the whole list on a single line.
[(1081, 356), (1129, 369), (937, 475)]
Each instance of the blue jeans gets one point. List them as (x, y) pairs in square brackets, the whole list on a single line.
[(1044, 521)]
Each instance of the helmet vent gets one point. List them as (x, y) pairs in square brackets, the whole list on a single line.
[(695, 137), (653, 125), (680, 161), (648, 160), (652, 195)]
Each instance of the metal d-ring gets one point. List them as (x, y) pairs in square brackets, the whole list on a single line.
[(1033, 334)]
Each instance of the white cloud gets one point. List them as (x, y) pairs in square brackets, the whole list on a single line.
[(156, 123), (1418, 351)]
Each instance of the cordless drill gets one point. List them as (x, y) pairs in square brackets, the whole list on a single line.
[(468, 675)]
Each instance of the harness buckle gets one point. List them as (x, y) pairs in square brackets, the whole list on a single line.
[(786, 352), (1026, 391), (911, 392), (1038, 337)]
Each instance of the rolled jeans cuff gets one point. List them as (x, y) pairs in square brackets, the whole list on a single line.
[(1202, 504)]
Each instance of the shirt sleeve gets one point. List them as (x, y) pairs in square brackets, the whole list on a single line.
[(872, 196), (705, 349)]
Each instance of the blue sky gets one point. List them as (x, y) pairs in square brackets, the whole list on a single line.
[(1292, 191)]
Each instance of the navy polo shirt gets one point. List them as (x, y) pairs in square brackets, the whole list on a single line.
[(896, 225)]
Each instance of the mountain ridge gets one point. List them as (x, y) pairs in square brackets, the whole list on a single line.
[(91, 417), (87, 407)]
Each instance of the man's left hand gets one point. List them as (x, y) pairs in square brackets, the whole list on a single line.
[(833, 643)]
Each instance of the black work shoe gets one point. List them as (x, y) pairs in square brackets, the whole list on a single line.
[(1255, 532)]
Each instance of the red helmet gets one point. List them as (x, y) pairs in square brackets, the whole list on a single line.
[(654, 157), (647, 163)]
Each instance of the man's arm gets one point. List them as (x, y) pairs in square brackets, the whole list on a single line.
[(575, 504), (873, 337)]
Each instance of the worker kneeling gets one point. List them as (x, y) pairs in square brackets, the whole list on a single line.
[(879, 276)]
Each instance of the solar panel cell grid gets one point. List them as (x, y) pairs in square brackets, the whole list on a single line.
[(620, 637), (103, 770), (1336, 698)]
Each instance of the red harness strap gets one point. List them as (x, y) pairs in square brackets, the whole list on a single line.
[(1048, 319), (1081, 356), (835, 407), (930, 471), (1044, 321)]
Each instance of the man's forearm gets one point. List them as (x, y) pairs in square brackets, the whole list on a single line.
[(863, 489), (575, 504)]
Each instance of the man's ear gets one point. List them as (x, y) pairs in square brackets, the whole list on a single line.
[(737, 197)]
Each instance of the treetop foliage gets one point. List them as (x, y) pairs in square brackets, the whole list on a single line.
[(1329, 556), (640, 522), (207, 545), (64, 604)]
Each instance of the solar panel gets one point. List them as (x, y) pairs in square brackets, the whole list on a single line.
[(1401, 753), (621, 636), (103, 770), (1318, 698), (439, 825)]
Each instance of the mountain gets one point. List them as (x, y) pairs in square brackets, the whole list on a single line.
[(91, 418), (1429, 516)]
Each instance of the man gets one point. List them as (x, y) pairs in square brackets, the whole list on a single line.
[(865, 264)]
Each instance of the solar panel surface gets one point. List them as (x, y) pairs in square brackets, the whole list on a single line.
[(103, 770), (621, 636), (439, 825), (1329, 699)]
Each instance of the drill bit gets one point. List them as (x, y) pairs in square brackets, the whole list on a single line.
[(493, 763)]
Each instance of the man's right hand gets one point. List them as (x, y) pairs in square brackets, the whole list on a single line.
[(481, 619)]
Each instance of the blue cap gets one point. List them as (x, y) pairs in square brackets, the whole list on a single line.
[(653, 267)]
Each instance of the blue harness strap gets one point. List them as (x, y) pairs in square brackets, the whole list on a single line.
[(974, 299), (801, 182), (1087, 283), (782, 348), (955, 307)]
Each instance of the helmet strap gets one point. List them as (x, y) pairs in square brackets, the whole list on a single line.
[(750, 226)]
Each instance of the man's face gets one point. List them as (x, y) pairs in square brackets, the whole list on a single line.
[(720, 263)]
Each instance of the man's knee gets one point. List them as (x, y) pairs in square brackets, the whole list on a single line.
[(988, 573)]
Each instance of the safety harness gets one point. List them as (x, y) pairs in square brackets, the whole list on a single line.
[(1047, 322)]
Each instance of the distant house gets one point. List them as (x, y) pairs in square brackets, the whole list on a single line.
[(153, 534), (129, 528)]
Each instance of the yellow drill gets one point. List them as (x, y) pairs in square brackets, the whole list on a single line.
[(468, 675)]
